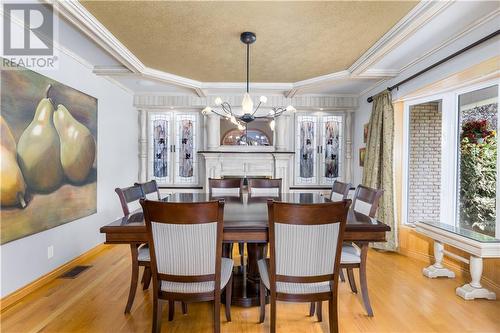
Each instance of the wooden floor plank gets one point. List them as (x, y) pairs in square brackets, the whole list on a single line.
[(402, 298)]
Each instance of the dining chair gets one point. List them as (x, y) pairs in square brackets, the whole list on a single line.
[(340, 191), (139, 251), (228, 187), (264, 187), (150, 190), (186, 256), (366, 201), (305, 243), (225, 187)]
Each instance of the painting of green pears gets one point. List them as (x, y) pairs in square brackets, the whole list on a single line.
[(48, 146)]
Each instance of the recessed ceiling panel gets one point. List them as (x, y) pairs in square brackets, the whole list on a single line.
[(295, 40)]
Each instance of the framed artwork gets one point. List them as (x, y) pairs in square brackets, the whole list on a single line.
[(365, 133), (362, 153), (48, 151)]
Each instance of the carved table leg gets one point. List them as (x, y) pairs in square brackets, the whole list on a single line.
[(362, 278), (474, 289), (437, 269)]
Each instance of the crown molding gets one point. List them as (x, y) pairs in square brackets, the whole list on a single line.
[(309, 102), (422, 13), (470, 28)]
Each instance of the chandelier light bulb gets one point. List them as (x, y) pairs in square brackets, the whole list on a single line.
[(218, 101), (263, 99), (241, 127), (247, 104), (206, 110), (272, 124), (291, 108)]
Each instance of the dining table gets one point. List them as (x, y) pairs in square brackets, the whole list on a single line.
[(246, 220)]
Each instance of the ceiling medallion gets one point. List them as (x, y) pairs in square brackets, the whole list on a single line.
[(223, 109)]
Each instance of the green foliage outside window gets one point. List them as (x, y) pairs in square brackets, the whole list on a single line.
[(478, 149)]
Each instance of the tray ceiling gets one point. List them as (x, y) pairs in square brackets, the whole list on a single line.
[(295, 40)]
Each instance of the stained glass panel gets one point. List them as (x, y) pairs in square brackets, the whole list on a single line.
[(160, 150), (331, 152), (186, 153)]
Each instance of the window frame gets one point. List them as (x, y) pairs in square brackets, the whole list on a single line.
[(449, 149)]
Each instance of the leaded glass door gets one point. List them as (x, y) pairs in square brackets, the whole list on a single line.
[(306, 150), (330, 149), (160, 148), (185, 149)]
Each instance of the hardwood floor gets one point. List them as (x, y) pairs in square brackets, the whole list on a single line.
[(402, 299)]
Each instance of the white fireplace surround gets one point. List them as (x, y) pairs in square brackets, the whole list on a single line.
[(243, 161)]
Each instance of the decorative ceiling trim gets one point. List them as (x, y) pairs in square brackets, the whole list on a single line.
[(470, 28), (422, 13), (159, 101), (78, 15)]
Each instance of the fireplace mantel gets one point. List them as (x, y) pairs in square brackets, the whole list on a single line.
[(249, 163)]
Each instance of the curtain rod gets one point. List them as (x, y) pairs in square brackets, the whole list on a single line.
[(482, 40)]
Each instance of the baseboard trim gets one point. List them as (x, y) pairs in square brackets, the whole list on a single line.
[(19, 294), (451, 264)]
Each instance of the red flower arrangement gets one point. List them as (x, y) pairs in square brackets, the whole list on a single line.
[(477, 131)]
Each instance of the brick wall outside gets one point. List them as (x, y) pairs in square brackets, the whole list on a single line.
[(424, 172)]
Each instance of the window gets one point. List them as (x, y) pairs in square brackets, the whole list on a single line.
[(477, 160)]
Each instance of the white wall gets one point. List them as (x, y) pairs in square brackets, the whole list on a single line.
[(465, 60), (25, 260)]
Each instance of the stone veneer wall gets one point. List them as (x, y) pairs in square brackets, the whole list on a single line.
[(424, 168)]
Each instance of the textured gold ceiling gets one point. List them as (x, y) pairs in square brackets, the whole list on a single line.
[(295, 40)]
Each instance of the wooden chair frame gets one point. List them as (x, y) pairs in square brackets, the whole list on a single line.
[(304, 214), (225, 183), (264, 183), (126, 196), (186, 213), (150, 187), (340, 188), (368, 195)]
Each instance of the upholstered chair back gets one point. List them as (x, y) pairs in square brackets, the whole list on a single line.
[(340, 191), (264, 187), (366, 200), (225, 187), (185, 239), (150, 190), (128, 196), (305, 242)]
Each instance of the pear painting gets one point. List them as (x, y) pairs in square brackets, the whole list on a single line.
[(48, 144)]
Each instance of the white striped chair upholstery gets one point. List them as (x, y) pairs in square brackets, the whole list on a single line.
[(305, 243), (186, 255), (264, 187), (340, 191)]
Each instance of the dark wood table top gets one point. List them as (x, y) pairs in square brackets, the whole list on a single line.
[(247, 213)]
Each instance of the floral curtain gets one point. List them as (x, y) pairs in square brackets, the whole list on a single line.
[(378, 169)]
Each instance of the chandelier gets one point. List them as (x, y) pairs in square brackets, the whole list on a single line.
[(223, 109)]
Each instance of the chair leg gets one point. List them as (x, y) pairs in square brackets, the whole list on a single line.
[(184, 308), (273, 313), (341, 274), (229, 291), (312, 309), (362, 280), (146, 277), (262, 300), (241, 250), (217, 314), (333, 315), (171, 310), (319, 311), (133, 279), (157, 305), (352, 282)]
